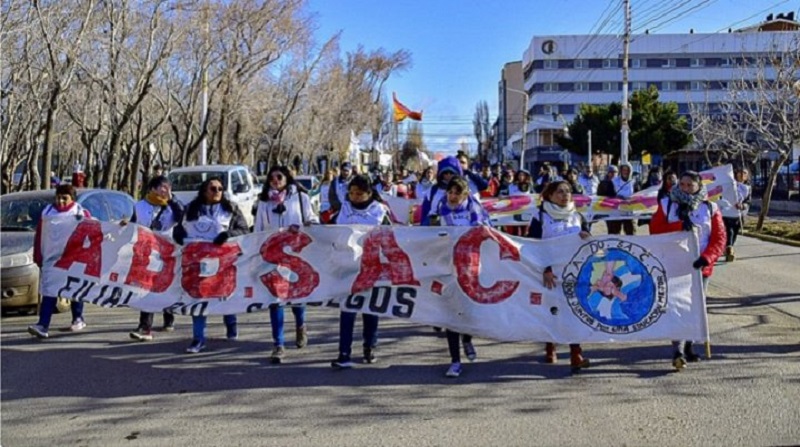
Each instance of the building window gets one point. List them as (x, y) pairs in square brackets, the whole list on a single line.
[(697, 85), (581, 63), (667, 86), (609, 63), (669, 63), (636, 63), (727, 62), (550, 64), (549, 109), (609, 86), (550, 87), (697, 62), (581, 86)]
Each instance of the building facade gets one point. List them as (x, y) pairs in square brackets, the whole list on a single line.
[(511, 105), (563, 72)]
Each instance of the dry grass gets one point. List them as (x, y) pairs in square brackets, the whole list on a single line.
[(783, 229)]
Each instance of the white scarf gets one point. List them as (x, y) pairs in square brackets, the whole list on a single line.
[(559, 212)]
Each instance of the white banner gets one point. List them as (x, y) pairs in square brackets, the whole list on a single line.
[(471, 279)]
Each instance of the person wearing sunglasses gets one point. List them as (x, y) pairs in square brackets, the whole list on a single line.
[(282, 205), (210, 217)]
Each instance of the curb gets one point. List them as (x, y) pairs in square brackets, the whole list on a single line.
[(768, 238)]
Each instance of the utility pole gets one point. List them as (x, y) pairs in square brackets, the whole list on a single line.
[(589, 157), (626, 112)]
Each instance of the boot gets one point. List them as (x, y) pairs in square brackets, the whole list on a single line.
[(576, 360), (730, 254), (550, 353)]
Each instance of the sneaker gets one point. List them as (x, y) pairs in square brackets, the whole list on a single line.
[(168, 328), (77, 325), (343, 362), (301, 337), (469, 351), (38, 331), (454, 370), (678, 361), (196, 346), (369, 355), (232, 332), (277, 355), (141, 335)]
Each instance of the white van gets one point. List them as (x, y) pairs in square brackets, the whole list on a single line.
[(239, 183)]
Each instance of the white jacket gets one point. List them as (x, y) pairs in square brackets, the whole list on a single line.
[(268, 218)]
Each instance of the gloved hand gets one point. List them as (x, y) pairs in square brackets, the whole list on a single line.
[(178, 235), (221, 238), (700, 263)]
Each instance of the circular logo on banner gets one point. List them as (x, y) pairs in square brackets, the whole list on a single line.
[(615, 286), (548, 47)]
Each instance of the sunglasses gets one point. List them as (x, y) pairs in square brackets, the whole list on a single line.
[(215, 188)]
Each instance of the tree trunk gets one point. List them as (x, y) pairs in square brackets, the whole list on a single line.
[(47, 149)]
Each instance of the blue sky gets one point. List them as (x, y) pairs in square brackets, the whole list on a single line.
[(458, 47)]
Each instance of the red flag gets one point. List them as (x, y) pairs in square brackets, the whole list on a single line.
[(402, 112)]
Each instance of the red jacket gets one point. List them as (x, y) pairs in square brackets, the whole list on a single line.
[(717, 239)]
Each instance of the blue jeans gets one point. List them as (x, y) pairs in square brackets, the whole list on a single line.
[(48, 306), (276, 321), (199, 326), (347, 323)]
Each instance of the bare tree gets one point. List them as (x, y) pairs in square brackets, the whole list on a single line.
[(762, 115), (482, 129)]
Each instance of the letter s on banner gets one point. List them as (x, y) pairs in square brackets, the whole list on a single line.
[(467, 259), (220, 285), (398, 270), (272, 252), (91, 256), (139, 275)]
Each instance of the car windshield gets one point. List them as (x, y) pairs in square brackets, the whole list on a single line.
[(21, 213), (309, 183), (190, 181)]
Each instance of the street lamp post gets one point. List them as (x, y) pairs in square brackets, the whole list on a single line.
[(524, 126)]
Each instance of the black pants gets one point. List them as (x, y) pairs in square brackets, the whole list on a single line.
[(616, 226), (453, 339), (732, 228), (146, 320)]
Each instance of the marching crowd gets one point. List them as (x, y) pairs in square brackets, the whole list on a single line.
[(450, 196)]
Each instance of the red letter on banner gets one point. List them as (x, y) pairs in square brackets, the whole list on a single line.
[(91, 256), (272, 251), (398, 270), (467, 258), (139, 275), (222, 283)]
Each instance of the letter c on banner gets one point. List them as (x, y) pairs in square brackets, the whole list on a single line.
[(467, 258)]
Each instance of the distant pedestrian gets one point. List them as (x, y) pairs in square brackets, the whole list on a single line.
[(733, 225)]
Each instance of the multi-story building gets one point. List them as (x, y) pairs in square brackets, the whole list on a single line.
[(511, 106), (563, 72)]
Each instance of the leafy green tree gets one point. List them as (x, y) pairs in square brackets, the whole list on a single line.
[(656, 127)]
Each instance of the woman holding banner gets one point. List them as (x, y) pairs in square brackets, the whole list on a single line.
[(159, 212), (687, 208), (210, 217), (558, 217), (361, 207), (63, 205), (281, 205), (460, 208)]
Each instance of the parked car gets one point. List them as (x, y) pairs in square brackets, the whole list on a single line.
[(20, 213), (311, 183), (238, 181)]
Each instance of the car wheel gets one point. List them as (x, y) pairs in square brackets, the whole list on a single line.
[(26, 310), (62, 305)]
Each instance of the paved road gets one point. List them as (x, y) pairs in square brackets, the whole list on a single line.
[(98, 389)]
